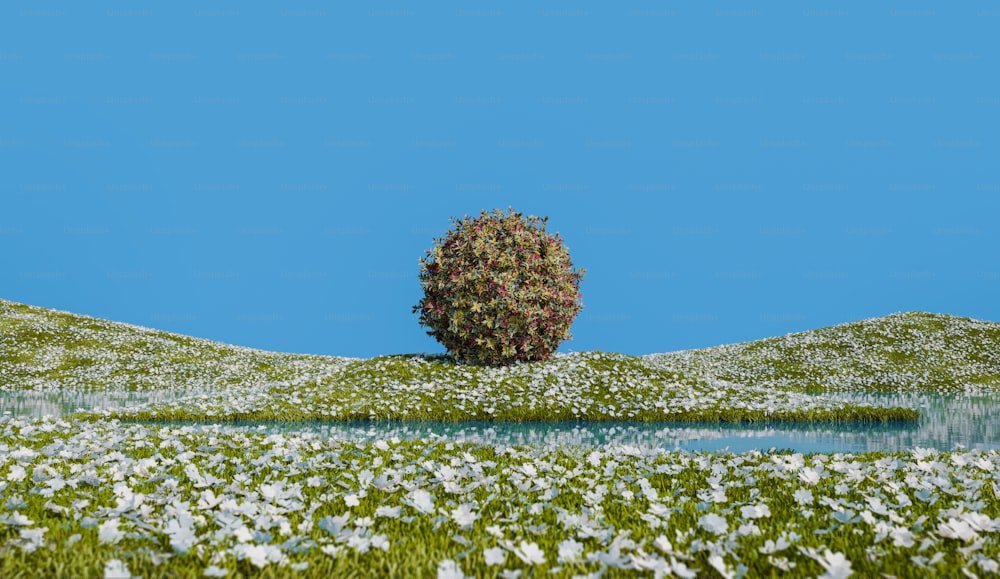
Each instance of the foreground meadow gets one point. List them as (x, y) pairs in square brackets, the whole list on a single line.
[(113, 499), (92, 494)]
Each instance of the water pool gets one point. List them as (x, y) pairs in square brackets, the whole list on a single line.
[(948, 421)]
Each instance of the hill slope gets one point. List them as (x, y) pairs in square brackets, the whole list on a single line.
[(49, 349), (46, 350), (900, 352)]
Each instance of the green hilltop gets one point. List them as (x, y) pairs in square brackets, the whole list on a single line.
[(909, 351)]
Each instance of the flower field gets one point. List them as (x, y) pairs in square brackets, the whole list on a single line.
[(107, 498), (91, 494)]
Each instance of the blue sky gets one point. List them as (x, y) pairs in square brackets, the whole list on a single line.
[(268, 175)]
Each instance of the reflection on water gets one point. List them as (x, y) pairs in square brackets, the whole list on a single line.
[(53, 403), (966, 420)]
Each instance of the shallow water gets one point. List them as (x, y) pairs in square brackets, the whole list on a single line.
[(38, 403), (948, 421)]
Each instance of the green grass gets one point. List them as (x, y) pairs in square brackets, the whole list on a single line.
[(42, 349), (904, 352)]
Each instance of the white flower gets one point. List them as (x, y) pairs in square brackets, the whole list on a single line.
[(772, 547), (984, 464), (803, 497), (446, 473), (530, 553), (243, 534), (901, 537), (351, 500), (115, 569), (957, 529), (16, 519), (980, 522), (143, 465), (259, 555), (643, 562), (16, 473), (682, 570), (359, 544), (213, 571), (662, 543), (449, 569), (613, 558), (107, 532), (836, 564), (713, 523), (364, 522), (658, 509), (495, 556), (207, 501), (495, 530), (809, 476), (755, 511), (254, 553), (181, 538), (569, 551), (720, 566), (423, 501), (877, 507), (464, 515), (390, 512), (32, 538)]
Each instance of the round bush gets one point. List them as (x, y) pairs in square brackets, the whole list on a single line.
[(498, 289)]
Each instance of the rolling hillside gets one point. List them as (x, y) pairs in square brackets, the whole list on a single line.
[(900, 352), (48, 349)]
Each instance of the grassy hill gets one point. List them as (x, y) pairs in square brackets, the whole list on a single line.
[(911, 351), (42, 349), (48, 349)]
